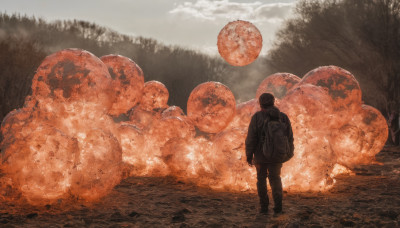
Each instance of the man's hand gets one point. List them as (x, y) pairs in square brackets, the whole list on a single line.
[(250, 161)]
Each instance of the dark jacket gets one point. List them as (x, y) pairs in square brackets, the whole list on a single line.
[(253, 140)]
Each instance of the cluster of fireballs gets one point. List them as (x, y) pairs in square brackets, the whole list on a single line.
[(65, 143)]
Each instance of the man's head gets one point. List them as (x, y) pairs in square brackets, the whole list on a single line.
[(266, 100)]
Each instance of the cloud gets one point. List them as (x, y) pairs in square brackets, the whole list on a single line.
[(229, 10)]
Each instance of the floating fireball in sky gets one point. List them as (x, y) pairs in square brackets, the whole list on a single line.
[(64, 142), (239, 43)]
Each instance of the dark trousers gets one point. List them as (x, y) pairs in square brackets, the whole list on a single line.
[(273, 172)]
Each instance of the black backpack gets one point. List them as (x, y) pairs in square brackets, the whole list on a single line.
[(275, 142)]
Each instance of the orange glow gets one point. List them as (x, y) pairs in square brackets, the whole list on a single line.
[(211, 106), (278, 84), (239, 43), (128, 82), (63, 144), (155, 96)]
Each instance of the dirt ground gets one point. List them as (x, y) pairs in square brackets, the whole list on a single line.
[(370, 198)]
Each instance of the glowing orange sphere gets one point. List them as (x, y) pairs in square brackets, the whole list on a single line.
[(341, 84), (376, 130), (362, 138), (15, 119), (143, 119), (71, 75), (239, 43), (155, 96), (211, 106), (41, 163), (277, 84), (244, 112), (98, 167), (308, 105), (132, 141), (173, 111), (171, 127), (128, 82)]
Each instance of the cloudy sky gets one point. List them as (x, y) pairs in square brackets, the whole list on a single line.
[(189, 23)]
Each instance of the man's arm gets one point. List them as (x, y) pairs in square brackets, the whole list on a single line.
[(251, 139)]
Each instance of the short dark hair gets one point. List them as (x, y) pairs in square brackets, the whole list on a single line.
[(266, 100)]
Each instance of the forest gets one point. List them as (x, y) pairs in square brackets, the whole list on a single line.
[(361, 36), (26, 41)]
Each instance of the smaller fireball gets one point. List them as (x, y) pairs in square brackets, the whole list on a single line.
[(211, 106), (239, 43), (143, 119), (98, 168), (173, 111), (128, 82), (278, 84), (155, 96)]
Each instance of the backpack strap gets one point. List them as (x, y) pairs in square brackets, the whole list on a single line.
[(265, 122)]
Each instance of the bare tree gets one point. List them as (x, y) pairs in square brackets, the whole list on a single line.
[(362, 36)]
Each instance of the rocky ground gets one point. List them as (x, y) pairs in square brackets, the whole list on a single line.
[(368, 198)]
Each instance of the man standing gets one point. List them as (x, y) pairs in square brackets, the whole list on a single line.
[(254, 153)]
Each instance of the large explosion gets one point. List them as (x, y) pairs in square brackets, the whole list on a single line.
[(65, 144)]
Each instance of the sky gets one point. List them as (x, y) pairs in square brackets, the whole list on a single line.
[(192, 24)]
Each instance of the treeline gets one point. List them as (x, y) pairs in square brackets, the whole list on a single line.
[(25, 41), (362, 36)]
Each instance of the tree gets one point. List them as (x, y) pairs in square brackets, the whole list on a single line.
[(25, 41), (362, 36)]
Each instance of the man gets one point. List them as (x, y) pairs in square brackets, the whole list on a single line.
[(255, 154)]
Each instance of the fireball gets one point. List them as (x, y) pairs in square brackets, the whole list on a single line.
[(63, 144), (128, 82), (73, 75), (211, 106), (277, 84), (155, 96), (173, 111), (239, 43), (50, 146), (362, 138), (98, 169), (244, 112), (341, 84), (41, 163)]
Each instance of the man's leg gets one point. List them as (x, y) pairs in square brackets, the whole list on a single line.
[(274, 177), (262, 186)]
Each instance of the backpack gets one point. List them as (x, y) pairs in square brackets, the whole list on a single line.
[(275, 142)]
